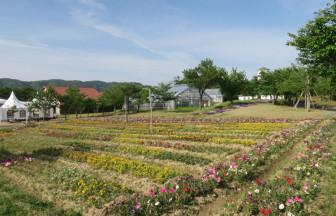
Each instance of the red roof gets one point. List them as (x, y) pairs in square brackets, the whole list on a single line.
[(88, 92)]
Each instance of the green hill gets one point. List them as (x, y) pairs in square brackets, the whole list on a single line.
[(14, 83)]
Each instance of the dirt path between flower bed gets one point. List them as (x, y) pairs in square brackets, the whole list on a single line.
[(227, 202)]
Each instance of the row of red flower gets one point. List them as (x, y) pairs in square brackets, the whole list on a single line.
[(288, 194)]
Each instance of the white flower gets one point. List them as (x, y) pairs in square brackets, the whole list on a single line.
[(316, 165), (256, 191), (281, 206), (177, 187), (269, 191), (170, 199), (308, 173), (290, 214), (157, 203)]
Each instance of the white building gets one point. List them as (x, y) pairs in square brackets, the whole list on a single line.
[(13, 109)]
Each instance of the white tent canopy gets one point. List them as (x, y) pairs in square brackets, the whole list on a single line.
[(21, 111), (13, 102)]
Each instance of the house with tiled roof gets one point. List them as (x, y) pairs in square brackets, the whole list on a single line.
[(87, 92), (91, 93)]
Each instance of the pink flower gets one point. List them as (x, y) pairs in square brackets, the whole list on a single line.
[(289, 201), (173, 190), (137, 206), (293, 200), (6, 163), (29, 159), (151, 193), (163, 190), (233, 165), (298, 199)]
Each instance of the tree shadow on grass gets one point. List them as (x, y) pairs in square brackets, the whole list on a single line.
[(5, 154), (47, 154)]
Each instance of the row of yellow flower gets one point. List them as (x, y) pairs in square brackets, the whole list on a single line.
[(220, 140), (173, 127), (156, 153), (155, 172), (93, 190)]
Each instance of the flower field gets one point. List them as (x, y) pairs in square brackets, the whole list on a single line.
[(108, 167)]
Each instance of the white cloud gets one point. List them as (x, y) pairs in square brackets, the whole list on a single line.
[(20, 44), (89, 19), (93, 4), (246, 49)]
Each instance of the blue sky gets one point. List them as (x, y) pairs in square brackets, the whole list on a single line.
[(148, 41)]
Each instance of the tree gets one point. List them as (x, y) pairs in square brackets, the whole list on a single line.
[(162, 92), (252, 87), (268, 84), (90, 105), (290, 82), (72, 101), (203, 76), (112, 97), (233, 84), (324, 88), (316, 42), (44, 100), (140, 98)]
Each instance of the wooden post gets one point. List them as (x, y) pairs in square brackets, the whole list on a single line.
[(126, 108), (151, 112), (297, 103)]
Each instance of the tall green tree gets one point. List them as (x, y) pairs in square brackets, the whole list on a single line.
[(316, 42), (113, 97), (162, 92), (72, 101), (233, 84), (204, 76)]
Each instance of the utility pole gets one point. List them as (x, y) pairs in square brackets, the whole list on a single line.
[(151, 112)]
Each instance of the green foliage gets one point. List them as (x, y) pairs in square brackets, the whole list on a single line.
[(72, 101), (23, 94), (316, 42), (162, 93), (112, 97), (233, 84), (204, 76)]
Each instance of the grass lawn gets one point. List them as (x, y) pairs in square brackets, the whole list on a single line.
[(273, 111), (269, 111), (325, 202)]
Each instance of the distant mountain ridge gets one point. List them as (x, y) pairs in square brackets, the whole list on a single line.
[(15, 83)]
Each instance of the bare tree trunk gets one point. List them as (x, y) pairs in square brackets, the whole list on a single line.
[(201, 93), (308, 101), (298, 100)]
